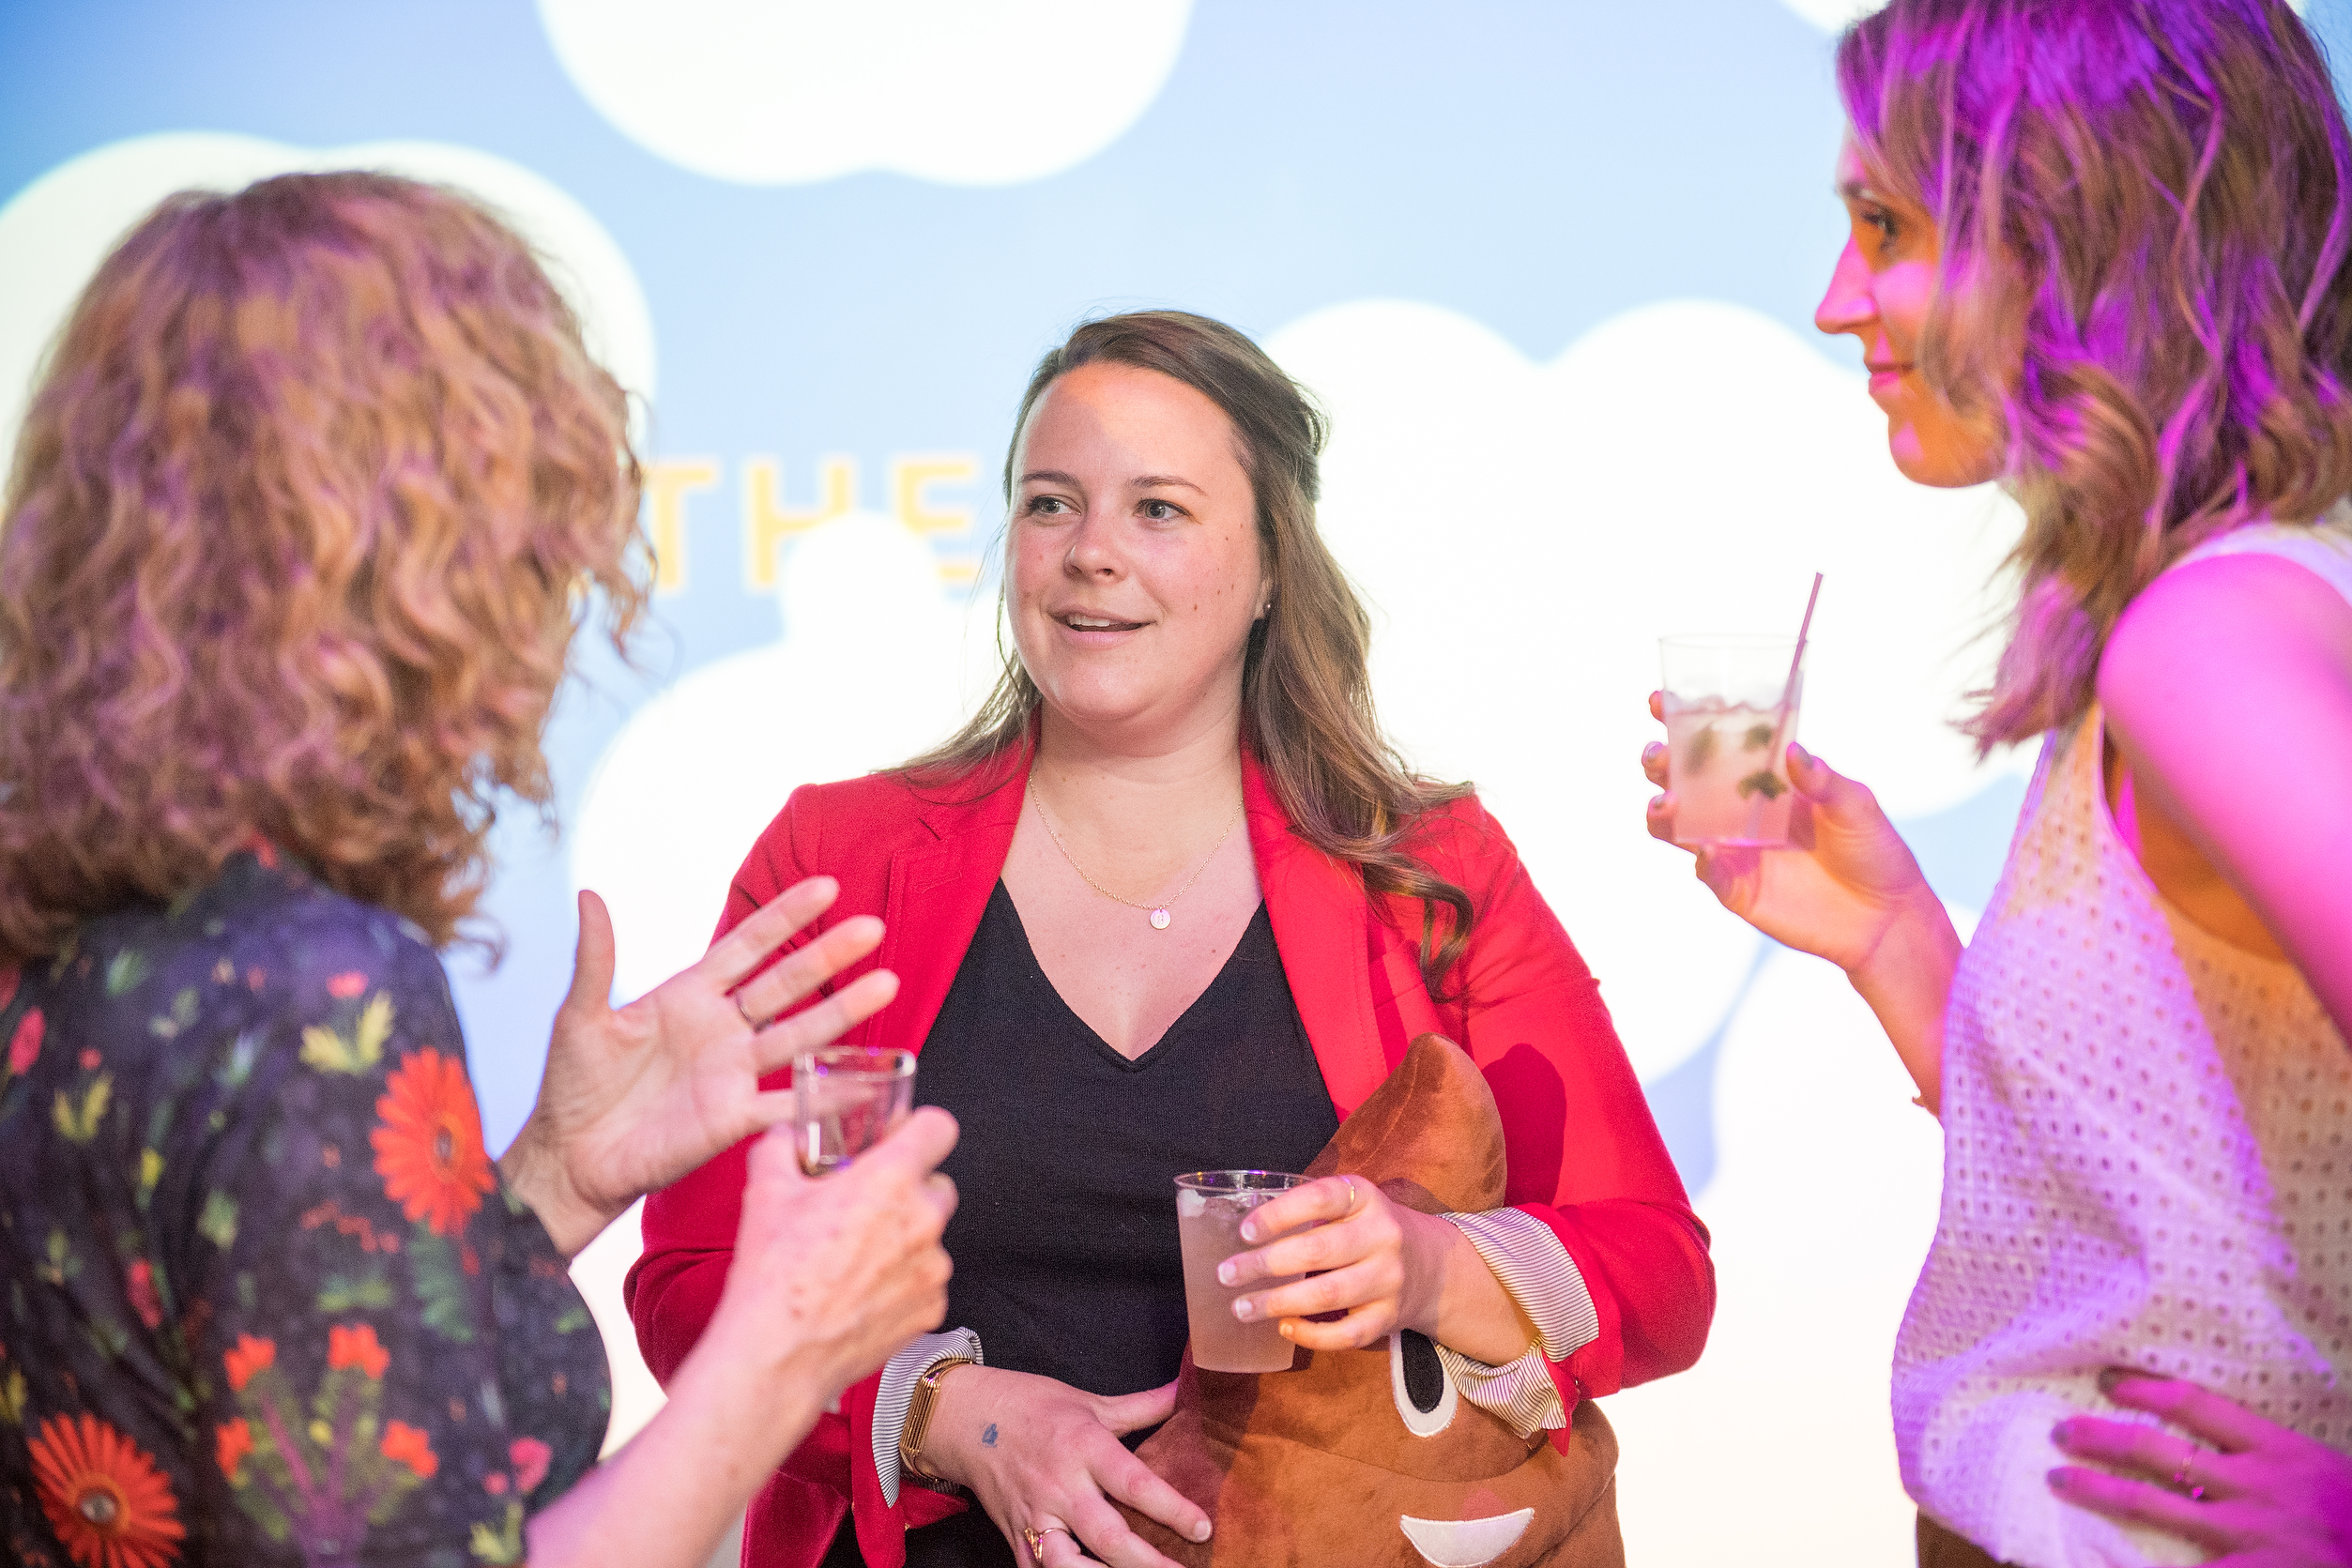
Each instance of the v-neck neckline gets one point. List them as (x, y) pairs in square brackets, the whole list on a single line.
[(1171, 1037)]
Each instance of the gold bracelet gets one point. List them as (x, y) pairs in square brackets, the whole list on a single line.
[(919, 1405)]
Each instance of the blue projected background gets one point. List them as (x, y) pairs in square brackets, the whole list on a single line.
[(1551, 266)]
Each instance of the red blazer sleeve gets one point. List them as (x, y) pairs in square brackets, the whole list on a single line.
[(1584, 1155)]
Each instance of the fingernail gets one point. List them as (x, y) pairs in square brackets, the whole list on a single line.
[(1226, 1271), (1799, 755), (1245, 1309), (2111, 1378), (1249, 1233), (2059, 1480), (1284, 1329), (1200, 1530), (1651, 751), (2063, 1434)]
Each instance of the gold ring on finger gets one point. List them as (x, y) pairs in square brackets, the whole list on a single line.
[(1036, 1539), (1351, 1197), (2181, 1481)]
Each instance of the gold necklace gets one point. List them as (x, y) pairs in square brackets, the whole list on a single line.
[(1159, 912)]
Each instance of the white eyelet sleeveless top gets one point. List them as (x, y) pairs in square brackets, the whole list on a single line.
[(2148, 1161)]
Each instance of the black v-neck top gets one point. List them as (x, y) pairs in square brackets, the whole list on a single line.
[(1064, 1242)]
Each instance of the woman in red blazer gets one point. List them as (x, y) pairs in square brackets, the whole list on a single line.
[(1190, 659)]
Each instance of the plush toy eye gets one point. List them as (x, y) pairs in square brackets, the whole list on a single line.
[(1424, 1394)]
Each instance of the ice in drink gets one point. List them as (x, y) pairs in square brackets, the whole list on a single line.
[(1730, 704), (1727, 764), (1210, 1207)]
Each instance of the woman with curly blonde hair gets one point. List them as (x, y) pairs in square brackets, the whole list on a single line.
[(316, 485), (2100, 253)]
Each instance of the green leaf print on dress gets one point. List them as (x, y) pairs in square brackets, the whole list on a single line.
[(331, 1050)]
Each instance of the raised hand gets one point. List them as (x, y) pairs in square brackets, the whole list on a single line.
[(2253, 1493), (1849, 890), (1042, 1455), (634, 1097), (1847, 880)]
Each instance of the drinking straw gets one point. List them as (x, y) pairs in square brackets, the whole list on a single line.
[(1788, 699), (1788, 692)]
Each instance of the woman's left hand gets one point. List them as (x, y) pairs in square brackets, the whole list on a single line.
[(1384, 1265), (634, 1097), (2259, 1496)]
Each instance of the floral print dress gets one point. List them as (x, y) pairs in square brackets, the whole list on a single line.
[(266, 1299)]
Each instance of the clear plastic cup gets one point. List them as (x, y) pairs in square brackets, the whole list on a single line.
[(845, 1099), (1210, 1207), (1731, 712)]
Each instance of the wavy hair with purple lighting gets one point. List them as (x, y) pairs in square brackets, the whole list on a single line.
[(2146, 211)]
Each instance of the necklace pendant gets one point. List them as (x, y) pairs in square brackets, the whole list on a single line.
[(1160, 919)]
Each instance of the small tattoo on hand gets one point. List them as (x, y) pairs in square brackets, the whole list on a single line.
[(988, 1437)]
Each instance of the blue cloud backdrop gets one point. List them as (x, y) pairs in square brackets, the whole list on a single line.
[(1562, 255)]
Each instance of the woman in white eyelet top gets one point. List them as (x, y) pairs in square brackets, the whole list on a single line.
[(2147, 1163), (2097, 253)]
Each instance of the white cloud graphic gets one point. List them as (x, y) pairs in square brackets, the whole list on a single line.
[(1527, 532), (1821, 1211), (782, 92), (879, 662), (55, 231), (1832, 15)]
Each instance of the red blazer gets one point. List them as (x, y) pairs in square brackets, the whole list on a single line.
[(1584, 1155)]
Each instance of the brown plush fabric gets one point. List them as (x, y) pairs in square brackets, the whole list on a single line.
[(1316, 1465), (1943, 1548)]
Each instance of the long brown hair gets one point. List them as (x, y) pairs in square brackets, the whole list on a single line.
[(2147, 211), (1307, 694), (315, 481)]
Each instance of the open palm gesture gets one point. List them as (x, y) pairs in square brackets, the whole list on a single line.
[(635, 1097)]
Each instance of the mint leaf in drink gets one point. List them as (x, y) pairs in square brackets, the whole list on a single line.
[(1763, 782), (1759, 737), (1699, 751)]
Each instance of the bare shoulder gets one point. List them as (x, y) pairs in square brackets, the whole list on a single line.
[(2228, 622)]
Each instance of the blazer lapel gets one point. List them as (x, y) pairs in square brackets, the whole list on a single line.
[(938, 892), (1321, 917)]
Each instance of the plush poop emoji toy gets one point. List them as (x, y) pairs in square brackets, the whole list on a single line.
[(1372, 1458)]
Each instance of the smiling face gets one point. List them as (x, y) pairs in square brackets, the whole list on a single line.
[(1881, 291), (1133, 558)]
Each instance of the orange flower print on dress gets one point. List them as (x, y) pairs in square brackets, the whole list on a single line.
[(356, 1347), (343, 987), (24, 1045), (232, 1440), (109, 1504), (411, 1446), (248, 1356), (429, 1149)]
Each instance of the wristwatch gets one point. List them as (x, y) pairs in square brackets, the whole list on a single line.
[(920, 1403)]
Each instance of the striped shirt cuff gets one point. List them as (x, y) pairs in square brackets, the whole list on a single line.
[(1528, 1259), (898, 1392)]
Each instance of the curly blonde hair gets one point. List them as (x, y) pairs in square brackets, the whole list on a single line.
[(2146, 208), (314, 487)]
